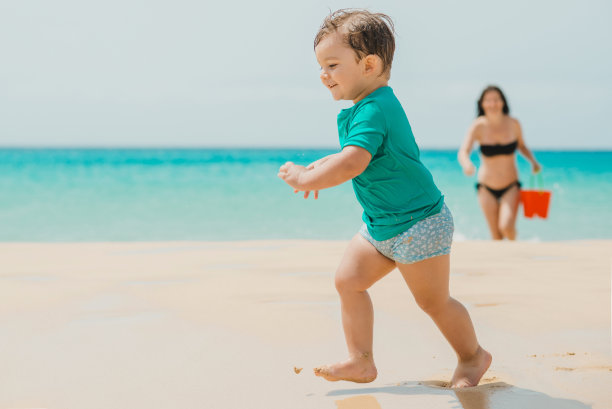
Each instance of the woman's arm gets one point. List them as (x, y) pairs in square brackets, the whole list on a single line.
[(535, 166), (337, 169), (466, 148)]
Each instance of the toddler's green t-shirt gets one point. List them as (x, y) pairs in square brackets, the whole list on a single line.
[(395, 190)]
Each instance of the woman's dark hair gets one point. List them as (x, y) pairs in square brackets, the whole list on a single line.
[(505, 109)]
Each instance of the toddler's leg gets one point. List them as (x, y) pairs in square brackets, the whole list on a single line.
[(428, 281), (361, 266)]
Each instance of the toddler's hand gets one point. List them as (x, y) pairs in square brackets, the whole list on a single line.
[(307, 193), (290, 173), (309, 167)]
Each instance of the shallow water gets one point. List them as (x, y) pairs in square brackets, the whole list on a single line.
[(489, 395), (234, 194)]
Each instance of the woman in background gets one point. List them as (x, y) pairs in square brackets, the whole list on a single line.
[(498, 187)]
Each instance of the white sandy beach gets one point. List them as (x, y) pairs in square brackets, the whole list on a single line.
[(222, 325)]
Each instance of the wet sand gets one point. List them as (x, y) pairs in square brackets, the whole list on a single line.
[(223, 325)]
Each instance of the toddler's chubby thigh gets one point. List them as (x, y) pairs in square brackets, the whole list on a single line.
[(430, 237), (384, 247)]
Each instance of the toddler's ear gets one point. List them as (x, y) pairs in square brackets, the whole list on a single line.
[(372, 64)]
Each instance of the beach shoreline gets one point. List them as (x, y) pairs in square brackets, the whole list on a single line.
[(222, 324)]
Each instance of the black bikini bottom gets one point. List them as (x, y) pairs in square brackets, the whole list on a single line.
[(498, 193)]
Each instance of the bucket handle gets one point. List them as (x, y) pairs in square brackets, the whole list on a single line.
[(537, 177)]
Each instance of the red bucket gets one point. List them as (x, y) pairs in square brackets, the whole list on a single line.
[(535, 203)]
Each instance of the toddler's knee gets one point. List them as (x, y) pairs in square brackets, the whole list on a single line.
[(432, 305), (341, 282), (346, 283)]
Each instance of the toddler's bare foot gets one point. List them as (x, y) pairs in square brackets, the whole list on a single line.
[(468, 373), (359, 369)]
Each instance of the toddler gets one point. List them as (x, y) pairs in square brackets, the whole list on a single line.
[(406, 223)]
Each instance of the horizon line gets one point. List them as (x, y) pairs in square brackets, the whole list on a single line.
[(266, 147)]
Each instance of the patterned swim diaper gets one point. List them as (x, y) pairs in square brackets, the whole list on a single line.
[(427, 238)]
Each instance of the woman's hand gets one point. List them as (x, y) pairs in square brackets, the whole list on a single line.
[(469, 169), (535, 167)]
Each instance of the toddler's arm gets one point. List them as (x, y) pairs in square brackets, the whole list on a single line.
[(313, 165), (335, 170), (321, 161)]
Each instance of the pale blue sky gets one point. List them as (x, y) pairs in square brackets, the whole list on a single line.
[(243, 73)]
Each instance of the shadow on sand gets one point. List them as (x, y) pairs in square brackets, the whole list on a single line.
[(496, 395)]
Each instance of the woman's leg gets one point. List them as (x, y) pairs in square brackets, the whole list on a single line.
[(361, 266), (490, 208), (508, 209), (428, 282)]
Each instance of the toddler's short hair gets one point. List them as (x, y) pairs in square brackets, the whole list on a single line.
[(365, 32)]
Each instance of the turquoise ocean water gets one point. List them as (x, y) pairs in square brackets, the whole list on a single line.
[(234, 194)]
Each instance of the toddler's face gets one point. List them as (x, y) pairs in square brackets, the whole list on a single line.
[(341, 72)]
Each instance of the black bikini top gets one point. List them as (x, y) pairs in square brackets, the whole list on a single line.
[(493, 150)]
